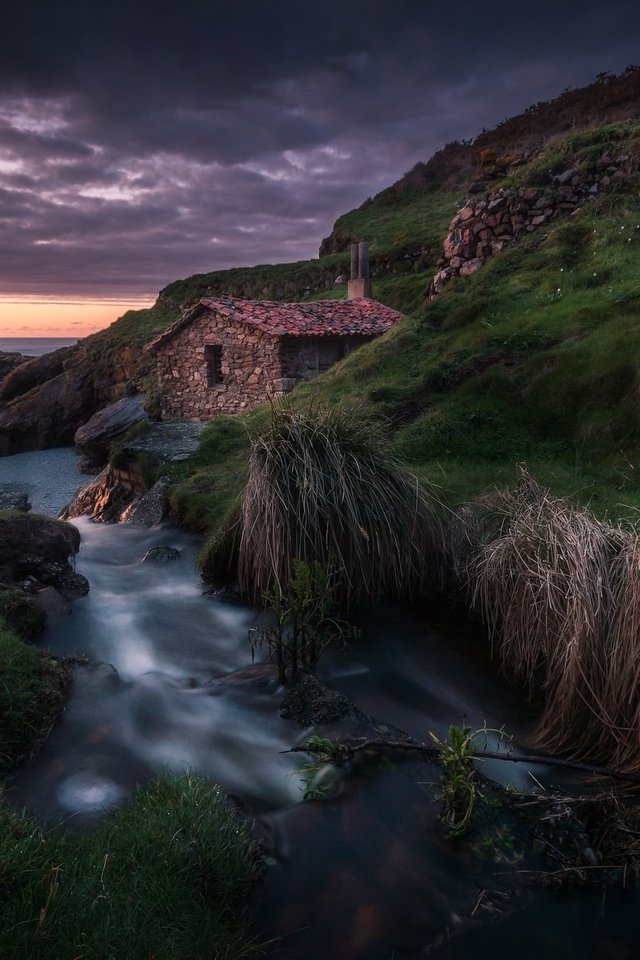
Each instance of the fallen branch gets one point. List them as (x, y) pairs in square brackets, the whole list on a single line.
[(344, 751)]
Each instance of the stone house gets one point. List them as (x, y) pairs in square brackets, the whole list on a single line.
[(226, 355)]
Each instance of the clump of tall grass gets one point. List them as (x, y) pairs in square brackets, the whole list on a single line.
[(560, 592), (323, 489)]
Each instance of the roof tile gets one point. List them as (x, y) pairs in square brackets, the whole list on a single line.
[(318, 318)]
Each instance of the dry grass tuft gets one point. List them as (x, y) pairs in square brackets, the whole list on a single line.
[(322, 489), (560, 593)]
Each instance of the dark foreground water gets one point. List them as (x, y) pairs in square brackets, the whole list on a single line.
[(366, 876)]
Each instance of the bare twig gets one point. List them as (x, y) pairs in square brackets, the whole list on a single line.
[(344, 751)]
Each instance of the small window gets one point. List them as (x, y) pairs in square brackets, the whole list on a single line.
[(213, 357)]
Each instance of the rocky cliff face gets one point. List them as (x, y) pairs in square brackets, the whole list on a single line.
[(49, 414), (45, 401)]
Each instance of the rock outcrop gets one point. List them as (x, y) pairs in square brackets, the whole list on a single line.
[(151, 508), (44, 401), (35, 371), (14, 500), (126, 492), (10, 362), (34, 559), (96, 436), (491, 219), (49, 414), (105, 499)]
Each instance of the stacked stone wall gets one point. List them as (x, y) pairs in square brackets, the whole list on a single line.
[(490, 220)]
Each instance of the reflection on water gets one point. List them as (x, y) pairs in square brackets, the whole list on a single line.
[(87, 792)]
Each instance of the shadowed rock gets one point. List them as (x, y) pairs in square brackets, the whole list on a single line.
[(14, 500), (96, 435), (33, 372), (149, 510), (9, 362), (48, 415)]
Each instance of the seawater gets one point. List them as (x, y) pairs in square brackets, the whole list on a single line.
[(34, 346), (49, 477)]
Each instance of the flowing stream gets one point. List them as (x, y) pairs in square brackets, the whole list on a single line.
[(169, 685)]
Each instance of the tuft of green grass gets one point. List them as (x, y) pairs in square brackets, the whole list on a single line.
[(168, 876), (22, 614), (32, 687), (411, 227), (205, 488)]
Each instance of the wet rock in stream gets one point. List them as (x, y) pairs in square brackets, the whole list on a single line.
[(161, 554), (14, 500), (308, 702)]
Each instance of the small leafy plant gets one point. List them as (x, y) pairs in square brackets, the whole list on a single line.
[(324, 752), (459, 789), (304, 621)]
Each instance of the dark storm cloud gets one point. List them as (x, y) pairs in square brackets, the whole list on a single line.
[(144, 141)]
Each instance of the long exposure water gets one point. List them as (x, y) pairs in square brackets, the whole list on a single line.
[(169, 684)]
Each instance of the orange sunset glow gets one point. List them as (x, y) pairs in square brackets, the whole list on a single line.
[(57, 317)]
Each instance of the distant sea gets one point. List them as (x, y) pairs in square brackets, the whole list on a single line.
[(34, 346)]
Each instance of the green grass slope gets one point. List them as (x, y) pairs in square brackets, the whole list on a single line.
[(165, 876), (533, 358)]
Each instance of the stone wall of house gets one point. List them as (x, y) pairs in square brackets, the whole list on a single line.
[(305, 357), (493, 218), (251, 369)]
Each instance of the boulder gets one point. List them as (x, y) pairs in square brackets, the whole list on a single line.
[(104, 499), (14, 500), (149, 510), (96, 435), (34, 552), (470, 266), (49, 415)]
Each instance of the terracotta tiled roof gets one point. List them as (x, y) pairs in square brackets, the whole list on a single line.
[(319, 318)]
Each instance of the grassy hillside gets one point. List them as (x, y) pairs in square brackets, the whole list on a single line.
[(533, 358)]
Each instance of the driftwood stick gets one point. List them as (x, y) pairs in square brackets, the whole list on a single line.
[(345, 750)]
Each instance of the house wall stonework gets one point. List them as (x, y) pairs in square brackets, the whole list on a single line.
[(251, 369), (255, 366)]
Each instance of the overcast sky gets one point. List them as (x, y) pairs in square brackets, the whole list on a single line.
[(142, 141)]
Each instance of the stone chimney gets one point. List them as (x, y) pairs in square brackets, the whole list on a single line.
[(359, 282)]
